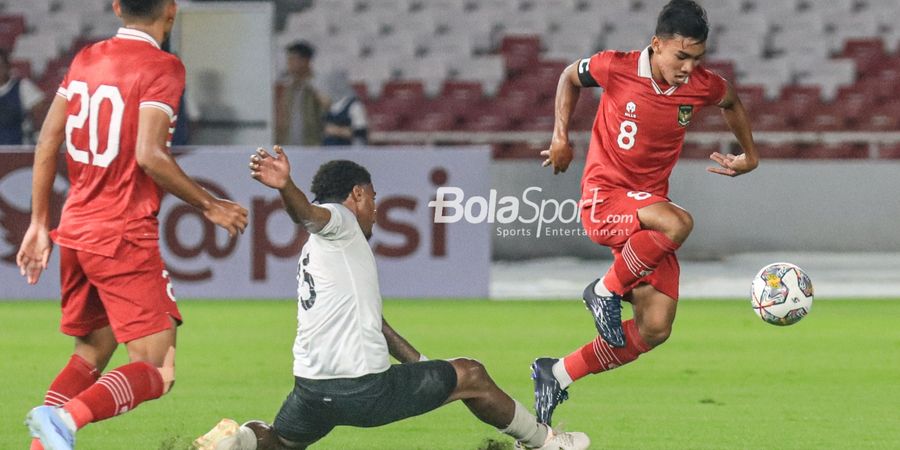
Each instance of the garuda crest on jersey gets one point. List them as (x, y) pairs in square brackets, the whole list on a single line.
[(685, 112)]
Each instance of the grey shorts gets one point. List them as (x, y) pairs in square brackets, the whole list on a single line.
[(315, 407)]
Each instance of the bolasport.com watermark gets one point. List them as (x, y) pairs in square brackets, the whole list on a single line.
[(529, 214)]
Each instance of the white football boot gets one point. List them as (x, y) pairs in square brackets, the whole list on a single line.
[(570, 440), (227, 435)]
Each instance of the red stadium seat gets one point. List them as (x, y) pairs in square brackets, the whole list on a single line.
[(770, 117), (709, 119), (538, 122), (362, 91), (834, 151), (724, 68), (796, 101), (433, 121), (778, 151), (11, 26), (517, 151), (21, 68), (751, 95), (383, 121), (693, 150), (889, 151), (884, 118), (520, 53), (828, 118), (867, 53), (488, 119)]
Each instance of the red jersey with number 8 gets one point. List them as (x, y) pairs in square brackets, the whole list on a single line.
[(640, 125), (106, 86)]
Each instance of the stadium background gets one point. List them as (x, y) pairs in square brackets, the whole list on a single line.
[(818, 78)]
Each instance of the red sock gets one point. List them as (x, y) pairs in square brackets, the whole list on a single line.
[(598, 356), (115, 393), (640, 256), (74, 378)]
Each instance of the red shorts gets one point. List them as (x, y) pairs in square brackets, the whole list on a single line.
[(611, 222), (131, 291)]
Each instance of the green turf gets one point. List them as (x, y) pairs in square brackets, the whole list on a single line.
[(723, 380)]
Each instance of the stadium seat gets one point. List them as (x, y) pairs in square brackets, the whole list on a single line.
[(752, 96), (520, 53), (867, 53), (724, 68), (488, 117), (21, 68), (11, 26), (796, 101), (709, 119), (777, 151), (433, 120), (834, 151), (889, 151), (694, 150)]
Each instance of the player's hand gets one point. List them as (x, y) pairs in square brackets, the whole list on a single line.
[(272, 171), (35, 253), (731, 165), (559, 155), (228, 215)]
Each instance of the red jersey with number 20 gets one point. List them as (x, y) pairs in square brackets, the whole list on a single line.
[(107, 84), (640, 125)]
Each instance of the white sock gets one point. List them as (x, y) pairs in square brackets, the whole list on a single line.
[(526, 429), (561, 375), (246, 438), (601, 290)]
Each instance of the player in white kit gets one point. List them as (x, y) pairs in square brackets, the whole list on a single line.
[(342, 372)]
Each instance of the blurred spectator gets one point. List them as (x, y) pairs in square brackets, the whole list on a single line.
[(299, 107), (19, 102), (345, 121)]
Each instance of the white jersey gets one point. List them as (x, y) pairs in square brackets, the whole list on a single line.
[(339, 303)]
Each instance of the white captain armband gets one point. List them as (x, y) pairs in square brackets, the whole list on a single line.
[(584, 73)]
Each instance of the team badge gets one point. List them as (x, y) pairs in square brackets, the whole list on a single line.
[(685, 112)]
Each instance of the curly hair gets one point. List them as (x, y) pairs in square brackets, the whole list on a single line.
[(335, 180), (685, 18)]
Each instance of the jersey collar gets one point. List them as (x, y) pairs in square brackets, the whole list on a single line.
[(644, 71), (136, 35)]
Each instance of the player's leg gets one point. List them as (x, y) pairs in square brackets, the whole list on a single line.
[(662, 228), (493, 406), (136, 296), (84, 318), (654, 302)]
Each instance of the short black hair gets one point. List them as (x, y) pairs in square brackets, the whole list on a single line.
[(303, 49), (142, 9), (685, 18), (335, 180)]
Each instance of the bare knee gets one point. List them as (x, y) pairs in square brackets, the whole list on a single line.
[(680, 223), (655, 333), (470, 375)]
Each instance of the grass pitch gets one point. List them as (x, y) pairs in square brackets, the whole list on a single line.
[(724, 379)]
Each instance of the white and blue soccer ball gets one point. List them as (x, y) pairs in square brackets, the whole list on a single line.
[(781, 294)]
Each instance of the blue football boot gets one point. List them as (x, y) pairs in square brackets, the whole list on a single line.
[(607, 312)]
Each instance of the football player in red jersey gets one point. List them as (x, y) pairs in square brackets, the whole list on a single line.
[(115, 111), (648, 100)]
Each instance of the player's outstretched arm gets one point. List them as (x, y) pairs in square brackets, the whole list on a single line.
[(35, 250), (560, 153), (739, 122), (399, 347), (153, 157), (274, 171)]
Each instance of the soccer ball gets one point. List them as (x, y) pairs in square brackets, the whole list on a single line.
[(781, 294)]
